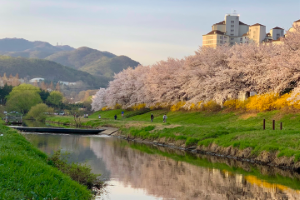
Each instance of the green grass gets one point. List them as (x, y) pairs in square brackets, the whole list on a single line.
[(25, 173), (223, 129)]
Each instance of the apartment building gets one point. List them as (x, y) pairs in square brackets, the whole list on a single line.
[(232, 31)]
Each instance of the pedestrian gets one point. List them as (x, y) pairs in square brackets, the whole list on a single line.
[(165, 118), (115, 117), (99, 116), (122, 113), (152, 117)]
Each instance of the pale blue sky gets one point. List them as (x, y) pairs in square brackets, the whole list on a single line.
[(146, 31)]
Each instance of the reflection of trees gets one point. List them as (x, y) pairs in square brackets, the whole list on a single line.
[(164, 177)]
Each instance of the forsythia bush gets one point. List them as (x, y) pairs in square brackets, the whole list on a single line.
[(139, 106), (117, 106), (104, 108), (263, 102), (195, 106), (177, 106), (211, 106), (260, 103)]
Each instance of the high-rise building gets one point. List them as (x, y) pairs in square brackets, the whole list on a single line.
[(232, 31)]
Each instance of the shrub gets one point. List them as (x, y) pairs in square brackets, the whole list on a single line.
[(235, 104), (211, 106), (139, 106), (78, 172), (117, 106), (104, 108), (177, 106), (38, 112)]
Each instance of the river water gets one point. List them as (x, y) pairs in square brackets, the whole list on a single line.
[(144, 172)]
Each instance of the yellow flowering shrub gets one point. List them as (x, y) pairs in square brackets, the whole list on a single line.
[(195, 106), (263, 102), (104, 108), (211, 106), (117, 106), (231, 104), (177, 106), (234, 104), (282, 101), (139, 106)]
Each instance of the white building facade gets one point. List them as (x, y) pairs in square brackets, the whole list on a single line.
[(232, 31)]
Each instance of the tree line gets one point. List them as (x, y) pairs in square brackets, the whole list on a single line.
[(216, 74)]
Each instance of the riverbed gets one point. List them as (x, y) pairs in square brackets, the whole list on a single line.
[(136, 171)]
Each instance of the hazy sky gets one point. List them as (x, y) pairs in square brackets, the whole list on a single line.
[(146, 31)]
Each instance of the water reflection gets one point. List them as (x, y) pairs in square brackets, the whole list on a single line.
[(139, 171)]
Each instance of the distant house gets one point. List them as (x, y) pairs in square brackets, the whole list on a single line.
[(36, 80), (66, 83)]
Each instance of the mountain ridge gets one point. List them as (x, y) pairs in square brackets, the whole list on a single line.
[(93, 61)]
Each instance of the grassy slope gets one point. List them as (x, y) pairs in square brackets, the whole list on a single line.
[(25, 173), (224, 129)]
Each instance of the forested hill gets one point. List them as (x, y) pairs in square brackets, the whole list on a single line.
[(99, 63), (20, 47), (32, 68), (93, 61)]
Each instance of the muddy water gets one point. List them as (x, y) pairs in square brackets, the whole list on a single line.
[(142, 172)]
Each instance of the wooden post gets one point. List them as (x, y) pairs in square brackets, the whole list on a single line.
[(280, 125), (264, 124), (273, 124)]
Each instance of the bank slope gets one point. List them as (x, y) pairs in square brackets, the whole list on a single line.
[(25, 173), (229, 134)]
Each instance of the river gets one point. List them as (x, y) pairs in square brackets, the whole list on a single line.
[(143, 172)]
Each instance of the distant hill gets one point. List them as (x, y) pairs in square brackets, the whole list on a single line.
[(32, 68), (20, 47), (99, 63), (93, 61)]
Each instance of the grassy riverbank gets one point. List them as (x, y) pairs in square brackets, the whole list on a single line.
[(25, 173), (201, 129)]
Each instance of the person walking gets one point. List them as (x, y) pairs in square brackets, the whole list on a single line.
[(99, 116), (165, 118), (152, 117), (122, 113), (115, 117)]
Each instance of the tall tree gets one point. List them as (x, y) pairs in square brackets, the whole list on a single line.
[(55, 99), (57, 88)]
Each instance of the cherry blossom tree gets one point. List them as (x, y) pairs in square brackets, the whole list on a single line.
[(210, 74), (98, 100)]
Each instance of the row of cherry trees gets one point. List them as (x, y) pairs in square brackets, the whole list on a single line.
[(211, 74)]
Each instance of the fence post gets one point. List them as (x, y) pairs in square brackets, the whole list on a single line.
[(280, 125), (264, 124), (273, 124)]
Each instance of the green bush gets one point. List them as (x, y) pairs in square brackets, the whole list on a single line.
[(38, 112), (78, 172)]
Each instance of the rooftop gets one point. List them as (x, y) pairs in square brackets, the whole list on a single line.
[(215, 32), (223, 22), (278, 28), (257, 24), (220, 23), (241, 23)]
